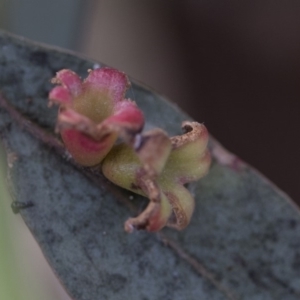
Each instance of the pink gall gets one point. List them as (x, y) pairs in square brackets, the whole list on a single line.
[(93, 113)]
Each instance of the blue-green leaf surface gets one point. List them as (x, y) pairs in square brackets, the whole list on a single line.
[(243, 241)]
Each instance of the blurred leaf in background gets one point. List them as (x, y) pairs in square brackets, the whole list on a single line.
[(24, 273), (10, 283)]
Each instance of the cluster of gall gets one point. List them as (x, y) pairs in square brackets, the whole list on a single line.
[(94, 113)]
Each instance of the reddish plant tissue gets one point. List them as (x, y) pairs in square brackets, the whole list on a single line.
[(93, 114)]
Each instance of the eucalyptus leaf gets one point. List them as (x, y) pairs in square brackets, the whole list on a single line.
[(243, 241)]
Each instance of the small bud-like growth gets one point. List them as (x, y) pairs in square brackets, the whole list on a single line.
[(93, 113), (158, 169)]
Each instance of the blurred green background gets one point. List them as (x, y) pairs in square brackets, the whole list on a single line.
[(24, 273), (234, 65)]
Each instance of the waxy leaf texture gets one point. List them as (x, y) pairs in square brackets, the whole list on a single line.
[(243, 241)]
